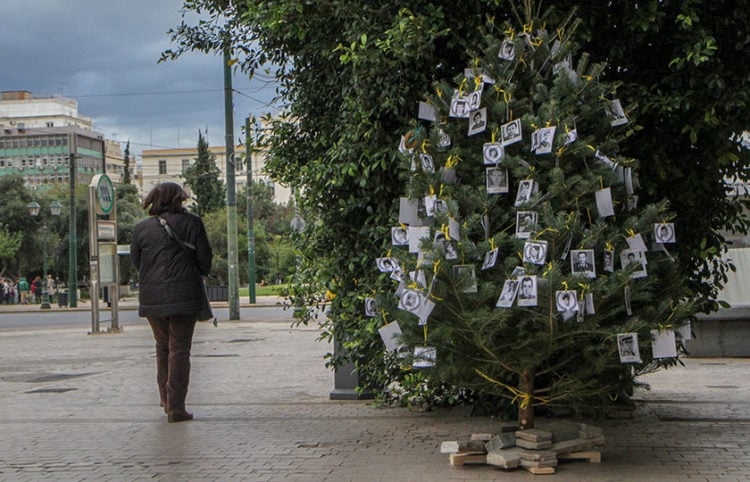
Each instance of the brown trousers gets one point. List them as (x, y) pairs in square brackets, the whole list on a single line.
[(174, 339)]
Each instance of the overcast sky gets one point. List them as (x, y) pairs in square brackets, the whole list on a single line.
[(104, 54)]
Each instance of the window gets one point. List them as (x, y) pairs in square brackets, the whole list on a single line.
[(50, 124), (185, 164), (162, 167)]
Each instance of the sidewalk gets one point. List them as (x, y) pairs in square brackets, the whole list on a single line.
[(129, 303), (79, 407)]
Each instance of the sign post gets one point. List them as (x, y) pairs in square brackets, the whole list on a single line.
[(103, 262)]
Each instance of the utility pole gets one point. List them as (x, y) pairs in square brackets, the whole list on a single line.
[(250, 214), (232, 257), (72, 238)]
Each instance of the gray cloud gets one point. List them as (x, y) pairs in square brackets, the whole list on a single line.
[(104, 54)]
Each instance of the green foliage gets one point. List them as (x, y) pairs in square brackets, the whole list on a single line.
[(126, 165), (351, 75), (203, 179), (10, 242)]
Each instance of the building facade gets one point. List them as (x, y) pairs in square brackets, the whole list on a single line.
[(162, 165), (40, 135)]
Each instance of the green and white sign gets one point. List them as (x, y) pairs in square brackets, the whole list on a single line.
[(105, 193)]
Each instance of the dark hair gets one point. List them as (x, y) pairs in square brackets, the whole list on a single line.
[(165, 197)]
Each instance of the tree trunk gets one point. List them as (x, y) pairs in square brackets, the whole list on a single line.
[(526, 413)]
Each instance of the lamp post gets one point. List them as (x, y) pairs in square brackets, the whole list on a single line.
[(55, 207)]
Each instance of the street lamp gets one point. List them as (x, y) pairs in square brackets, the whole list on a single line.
[(55, 207)]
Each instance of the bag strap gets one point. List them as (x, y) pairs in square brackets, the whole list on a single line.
[(187, 246)]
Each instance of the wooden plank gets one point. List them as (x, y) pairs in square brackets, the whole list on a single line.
[(541, 470), (463, 459), (593, 456)]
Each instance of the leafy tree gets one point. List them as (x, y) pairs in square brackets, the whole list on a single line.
[(351, 77), (126, 164), (10, 242), (203, 179), (129, 212)]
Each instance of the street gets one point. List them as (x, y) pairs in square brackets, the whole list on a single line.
[(66, 318)]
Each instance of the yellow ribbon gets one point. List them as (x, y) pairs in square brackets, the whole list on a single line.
[(452, 161), (492, 243), (425, 144), (608, 246), (525, 398), (425, 334), (527, 27), (547, 271), (439, 92), (494, 135), (510, 33), (631, 233), (565, 285), (432, 190)]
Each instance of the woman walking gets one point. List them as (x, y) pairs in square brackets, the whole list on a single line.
[(171, 251)]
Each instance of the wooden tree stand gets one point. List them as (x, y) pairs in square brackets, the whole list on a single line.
[(536, 450)]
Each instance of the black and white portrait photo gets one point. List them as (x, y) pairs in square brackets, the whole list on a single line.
[(387, 265), (371, 307), (525, 189), (535, 252), (527, 295), (493, 153), (428, 164), (424, 357), (525, 224), (541, 140), (477, 121), (497, 180), (490, 258), (627, 347), (571, 136), (459, 107), (616, 114), (507, 50), (445, 246), (511, 132), (475, 98), (582, 262), (630, 259), (566, 301), (400, 236), (664, 233), (608, 260), (508, 295)]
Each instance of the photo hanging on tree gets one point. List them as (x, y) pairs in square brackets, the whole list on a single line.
[(493, 152), (541, 140), (616, 114), (664, 233), (525, 189), (459, 106), (527, 291), (443, 245), (535, 252), (497, 180), (428, 165), (663, 344), (566, 301), (475, 98), (627, 347), (478, 121), (371, 307), (400, 236), (582, 262), (511, 132), (490, 258), (507, 50), (608, 261), (630, 258), (424, 356), (508, 294), (525, 224), (391, 336), (387, 265)]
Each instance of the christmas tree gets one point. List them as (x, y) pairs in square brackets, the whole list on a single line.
[(522, 264)]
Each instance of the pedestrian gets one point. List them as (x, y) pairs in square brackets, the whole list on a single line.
[(171, 288), (23, 290), (37, 286)]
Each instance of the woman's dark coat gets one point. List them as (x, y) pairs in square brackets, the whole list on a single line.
[(170, 276)]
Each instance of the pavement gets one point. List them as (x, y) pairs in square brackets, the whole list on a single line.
[(78, 407)]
